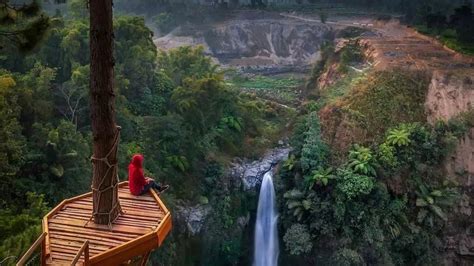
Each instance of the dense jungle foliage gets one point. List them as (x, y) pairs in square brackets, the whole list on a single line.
[(383, 202), (173, 107), (385, 205)]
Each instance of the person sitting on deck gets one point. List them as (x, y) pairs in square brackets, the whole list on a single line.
[(138, 183)]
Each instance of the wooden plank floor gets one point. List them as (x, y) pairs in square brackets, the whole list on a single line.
[(69, 227)]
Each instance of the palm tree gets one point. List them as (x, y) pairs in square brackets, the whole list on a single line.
[(432, 203), (399, 137), (298, 202), (320, 177)]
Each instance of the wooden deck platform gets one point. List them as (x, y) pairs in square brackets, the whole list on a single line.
[(141, 228)]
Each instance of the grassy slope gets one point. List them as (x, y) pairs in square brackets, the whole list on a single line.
[(448, 37)]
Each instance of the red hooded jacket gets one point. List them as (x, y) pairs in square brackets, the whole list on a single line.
[(136, 178)]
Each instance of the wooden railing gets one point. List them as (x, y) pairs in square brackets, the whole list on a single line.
[(84, 249), (32, 249)]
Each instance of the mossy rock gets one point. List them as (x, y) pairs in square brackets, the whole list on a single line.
[(203, 200)]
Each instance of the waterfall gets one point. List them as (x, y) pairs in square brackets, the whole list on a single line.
[(266, 235)]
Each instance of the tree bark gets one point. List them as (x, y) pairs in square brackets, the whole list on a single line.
[(102, 105)]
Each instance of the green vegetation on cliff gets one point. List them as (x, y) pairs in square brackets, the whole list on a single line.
[(365, 183), (386, 204)]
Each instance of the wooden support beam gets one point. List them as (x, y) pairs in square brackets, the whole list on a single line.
[(145, 258)]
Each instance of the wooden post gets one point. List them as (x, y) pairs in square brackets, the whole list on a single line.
[(102, 106), (145, 258), (86, 255), (84, 249)]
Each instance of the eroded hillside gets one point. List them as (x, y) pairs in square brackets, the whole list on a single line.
[(255, 41), (411, 78)]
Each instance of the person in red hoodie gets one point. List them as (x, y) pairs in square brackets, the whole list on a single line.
[(138, 183)]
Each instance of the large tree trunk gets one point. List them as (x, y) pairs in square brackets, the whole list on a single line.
[(105, 195)]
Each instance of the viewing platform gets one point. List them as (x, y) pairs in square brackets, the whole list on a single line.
[(70, 235)]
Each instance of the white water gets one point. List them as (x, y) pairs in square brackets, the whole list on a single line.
[(266, 235)]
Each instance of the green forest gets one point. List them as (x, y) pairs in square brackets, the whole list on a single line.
[(365, 182)]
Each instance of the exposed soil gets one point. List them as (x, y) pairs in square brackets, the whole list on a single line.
[(395, 45), (450, 93), (255, 41)]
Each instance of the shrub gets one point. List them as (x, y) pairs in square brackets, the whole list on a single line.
[(320, 177), (298, 240), (361, 160), (314, 152), (351, 53), (386, 155), (353, 185), (347, 257), (298, 202)]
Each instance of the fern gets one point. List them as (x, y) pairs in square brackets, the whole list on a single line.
[(433, 203), (399, 137), (361, 161), (298, 202), (179, 162), (321, 177)]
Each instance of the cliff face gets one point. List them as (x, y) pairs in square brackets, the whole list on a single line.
[(459, 234), (271, 42), (338, 130), (255, 41), (448, 96)]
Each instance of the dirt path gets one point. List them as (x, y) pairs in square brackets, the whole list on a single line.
[(358, 23)]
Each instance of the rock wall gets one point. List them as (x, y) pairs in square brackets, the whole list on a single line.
[(255, 41), (250, 173), (272, 42), (329, 77), (449, 95), (459, 238)]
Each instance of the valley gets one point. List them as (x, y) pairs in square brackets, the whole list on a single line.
[(289, 132)]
